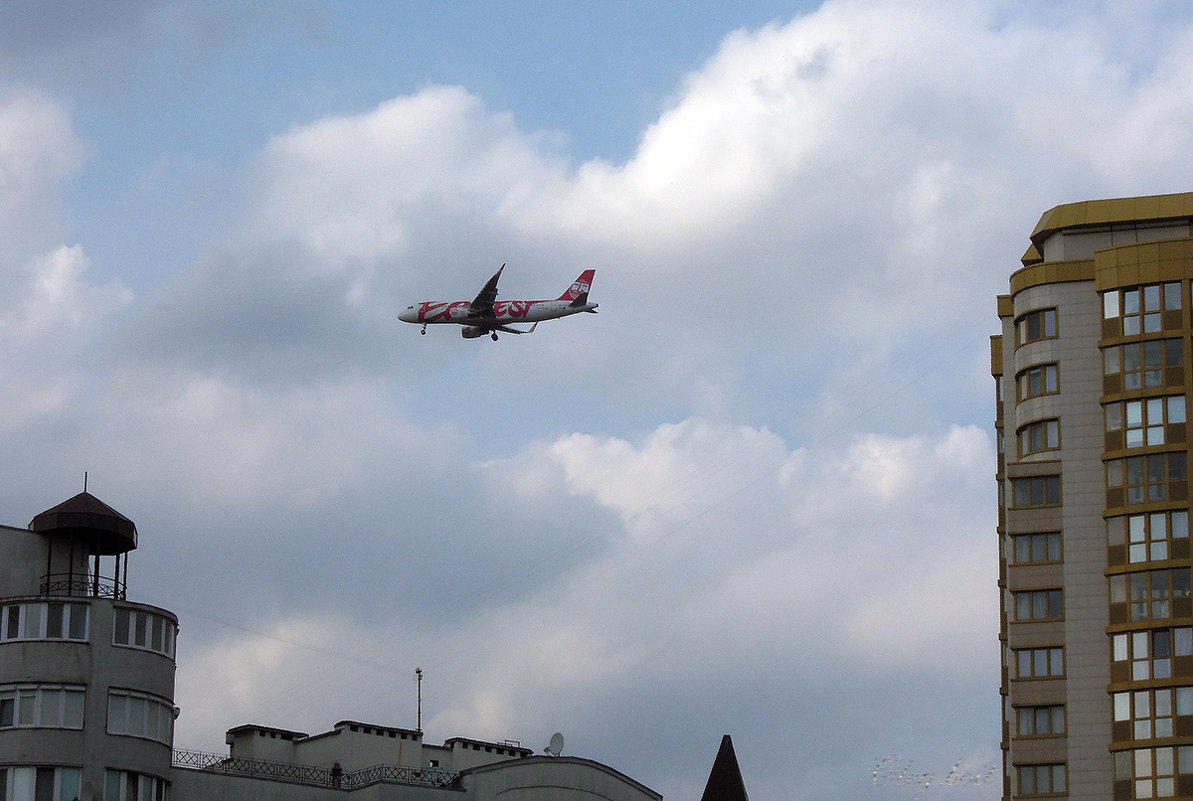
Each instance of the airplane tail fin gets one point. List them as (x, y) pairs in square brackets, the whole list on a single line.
[(578, 292)]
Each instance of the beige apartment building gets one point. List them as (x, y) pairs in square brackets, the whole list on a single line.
[(87, 703), (1094, 371)]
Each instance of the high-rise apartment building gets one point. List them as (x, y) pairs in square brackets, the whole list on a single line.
[(1094, 374)]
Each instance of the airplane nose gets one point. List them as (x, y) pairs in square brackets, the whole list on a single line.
[(408, 316)]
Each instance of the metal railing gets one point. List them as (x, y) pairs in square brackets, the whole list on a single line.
[(77, 585), (316, 776)]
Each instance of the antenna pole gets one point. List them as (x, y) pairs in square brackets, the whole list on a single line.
[(84, 481), (418, 676)]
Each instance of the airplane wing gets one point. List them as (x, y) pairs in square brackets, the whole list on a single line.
[(482, 305), (509, 330)]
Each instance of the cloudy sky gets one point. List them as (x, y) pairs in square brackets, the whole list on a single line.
[(753, 495)]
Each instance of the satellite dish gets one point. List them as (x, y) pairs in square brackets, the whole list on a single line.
[(556, 745)]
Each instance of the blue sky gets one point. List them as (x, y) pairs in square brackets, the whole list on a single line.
[(753, 495)]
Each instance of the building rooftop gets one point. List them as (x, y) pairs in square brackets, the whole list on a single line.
[(86, 516)]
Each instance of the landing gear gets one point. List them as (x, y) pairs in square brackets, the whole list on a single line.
[(424, 331), (494, 336)]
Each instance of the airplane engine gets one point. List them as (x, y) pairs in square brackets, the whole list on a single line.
[(472, 332)]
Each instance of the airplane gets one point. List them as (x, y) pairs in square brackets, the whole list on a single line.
[(487, 315)]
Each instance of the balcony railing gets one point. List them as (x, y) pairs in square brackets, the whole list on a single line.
[(317, 776), (77, 585)]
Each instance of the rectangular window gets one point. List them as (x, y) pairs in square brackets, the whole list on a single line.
[(33, 616), (37, 620), (1143, 422), (1040, 663), (1146, 479), (1041, 780), (40, 706), (1041, 721), (1150, 592), (1150, 652), (1035, 491), (1145, 365), (1153, 771), (1148, 537), (1152, 712), (120, 627), (55, 613), (1043, 547), (139, 715), (1140, 309), (1039, 605), (120, 785)]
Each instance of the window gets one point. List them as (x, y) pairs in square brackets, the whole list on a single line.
[(1041, 779), (1140, 308), (1150, 592), (1150, 652), (38, 783), (1155, 772), (1043, 547), (1143, 421), (1038, 663), (1038, 324), (1043, 435), (136, 628), (1146, 479), (1039, 605), (1041, 721), (43, 620), (1039, 380), (124, 785), (1151, 712), (1145, 365), (1150, 770), (140, 715), (1148, 537), (41, 706), (1036, 491)]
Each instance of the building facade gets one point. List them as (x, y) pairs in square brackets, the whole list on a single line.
[(87, 703), (1094, 374), (86, 677)]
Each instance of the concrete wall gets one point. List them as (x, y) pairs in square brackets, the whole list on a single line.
[(22, 561)]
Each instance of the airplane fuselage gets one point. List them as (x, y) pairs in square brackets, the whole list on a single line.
[(504, 311)]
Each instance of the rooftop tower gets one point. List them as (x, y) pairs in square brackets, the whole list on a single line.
[(86, 677)]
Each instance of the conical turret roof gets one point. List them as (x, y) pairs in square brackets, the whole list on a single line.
[(87, 517)]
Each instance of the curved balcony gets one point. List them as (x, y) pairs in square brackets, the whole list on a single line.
[(82, 586)]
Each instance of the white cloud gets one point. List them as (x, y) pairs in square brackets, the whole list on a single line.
[(772, 572), (38, 151)]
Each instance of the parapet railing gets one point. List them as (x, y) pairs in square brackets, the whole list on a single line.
[(316, 776), (82, 585)]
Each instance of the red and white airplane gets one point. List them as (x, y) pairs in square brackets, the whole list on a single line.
[(487, 315)]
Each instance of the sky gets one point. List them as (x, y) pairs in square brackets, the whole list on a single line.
[(754, 495)]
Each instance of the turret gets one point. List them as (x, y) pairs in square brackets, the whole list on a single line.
[(86, 676), (79, 533)]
